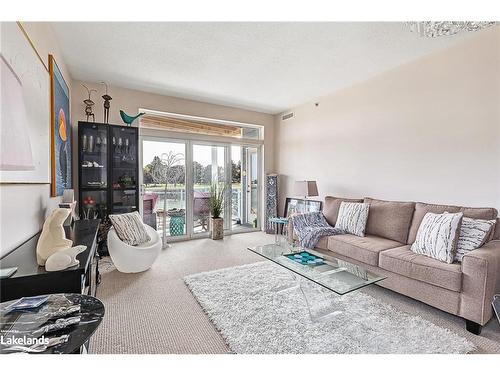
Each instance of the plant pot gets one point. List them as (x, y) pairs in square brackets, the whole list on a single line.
[(217, 228)]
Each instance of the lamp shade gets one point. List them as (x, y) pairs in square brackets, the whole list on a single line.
[(305, 188), (15, 151)]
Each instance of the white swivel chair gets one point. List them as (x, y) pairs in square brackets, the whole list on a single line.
[(132, 259)]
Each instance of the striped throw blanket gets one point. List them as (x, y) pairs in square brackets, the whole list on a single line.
[(310, 227)]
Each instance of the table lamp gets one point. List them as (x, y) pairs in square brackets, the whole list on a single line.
[(305, 189)]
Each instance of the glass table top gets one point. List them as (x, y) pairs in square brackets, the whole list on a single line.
[(332, 273)]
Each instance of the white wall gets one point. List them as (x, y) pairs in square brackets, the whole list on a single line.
[(427, 131), (24, 207)]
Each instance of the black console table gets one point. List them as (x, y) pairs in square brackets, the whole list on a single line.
[(30, 279)]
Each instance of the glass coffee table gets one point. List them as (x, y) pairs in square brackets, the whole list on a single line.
[(336, 276)]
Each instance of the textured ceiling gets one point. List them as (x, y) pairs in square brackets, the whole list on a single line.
[(268, 67)]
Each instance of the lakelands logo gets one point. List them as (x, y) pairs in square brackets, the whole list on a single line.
[(24, 341)]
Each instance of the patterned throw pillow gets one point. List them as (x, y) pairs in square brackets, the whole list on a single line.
[(437, 236), (473, 234), (352, 218), (129, 228)]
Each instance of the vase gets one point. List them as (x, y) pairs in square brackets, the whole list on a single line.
[(217, 228)]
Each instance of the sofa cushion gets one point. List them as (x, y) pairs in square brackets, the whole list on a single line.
[(496, 233), (438, 235), (422, 208), (474, 233), (332, 206), (363, 249), (389, 219), (322, 243), (405, 262), (352, 218)]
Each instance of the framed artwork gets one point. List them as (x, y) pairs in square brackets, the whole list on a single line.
[(24, 128), (60, 150), (298, 205)]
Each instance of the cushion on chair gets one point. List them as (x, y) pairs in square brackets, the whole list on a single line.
[(422, 208), (332, 205), (364, 249), (405, 262), (130, 228), (389, 219)]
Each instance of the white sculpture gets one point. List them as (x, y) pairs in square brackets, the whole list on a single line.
[(53, 238), (64, 259)]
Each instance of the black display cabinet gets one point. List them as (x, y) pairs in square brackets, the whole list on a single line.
[(108, 167)]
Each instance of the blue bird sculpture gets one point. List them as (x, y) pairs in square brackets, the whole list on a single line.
[(129, 119)]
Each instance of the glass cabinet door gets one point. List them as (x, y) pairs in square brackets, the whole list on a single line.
[(94, 171), (124, 169), (94, 157)]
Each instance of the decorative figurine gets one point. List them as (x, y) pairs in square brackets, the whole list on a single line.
[(89, 204), (88, 104), (53, 237), (130, 119), (64, 259), (107, 105)]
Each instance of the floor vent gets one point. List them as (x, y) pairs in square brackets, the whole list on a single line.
[(287, 116)]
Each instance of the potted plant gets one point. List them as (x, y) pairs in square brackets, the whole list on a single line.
[(217, 204)]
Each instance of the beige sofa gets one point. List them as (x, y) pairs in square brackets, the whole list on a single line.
[(465, 289)]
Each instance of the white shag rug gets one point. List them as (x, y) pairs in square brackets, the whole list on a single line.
[(243, 305)]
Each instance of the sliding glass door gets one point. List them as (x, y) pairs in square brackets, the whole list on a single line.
[(244, 186), (176, 181), (209, 166), (164, 186)]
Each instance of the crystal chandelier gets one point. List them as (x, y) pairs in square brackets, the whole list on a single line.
[(434, 29)]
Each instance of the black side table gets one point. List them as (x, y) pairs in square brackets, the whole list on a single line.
[(17, 324)]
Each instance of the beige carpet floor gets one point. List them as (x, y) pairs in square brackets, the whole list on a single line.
[(154, 311)]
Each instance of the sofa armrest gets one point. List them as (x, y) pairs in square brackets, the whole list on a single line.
[(481, 280)]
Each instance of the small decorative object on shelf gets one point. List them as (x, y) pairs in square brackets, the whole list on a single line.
[(89, 103), (130, 119), (125, 181), (68, 201), (89, 211), (91, 144), (107, 104)]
